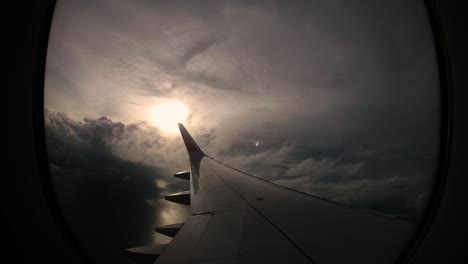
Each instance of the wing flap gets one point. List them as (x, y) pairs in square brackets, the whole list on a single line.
[(145, 254), (181, 248), (169, 230), (180, 197), (184, 175)]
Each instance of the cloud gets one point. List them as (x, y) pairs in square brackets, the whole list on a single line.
[(324, 169), (317, 71), (199, 47), (336, 101), (357, 181)]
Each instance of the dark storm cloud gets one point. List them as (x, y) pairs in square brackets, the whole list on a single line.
[(110, 202), (110, 140)]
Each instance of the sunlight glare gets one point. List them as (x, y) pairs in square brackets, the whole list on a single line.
[(167, 115)]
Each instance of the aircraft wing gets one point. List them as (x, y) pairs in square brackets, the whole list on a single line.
[(239, 218)]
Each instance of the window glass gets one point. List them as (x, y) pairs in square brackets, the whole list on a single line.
[(339, 99)]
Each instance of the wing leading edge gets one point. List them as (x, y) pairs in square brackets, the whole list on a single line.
[(239, 218)]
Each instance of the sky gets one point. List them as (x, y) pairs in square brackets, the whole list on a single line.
[(338, 99)]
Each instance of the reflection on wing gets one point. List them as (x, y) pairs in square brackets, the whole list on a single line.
[(238, 218)]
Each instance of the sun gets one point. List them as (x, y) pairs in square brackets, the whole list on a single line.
[(167, 115)]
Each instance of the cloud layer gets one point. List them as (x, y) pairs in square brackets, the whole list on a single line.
[(367, 179)]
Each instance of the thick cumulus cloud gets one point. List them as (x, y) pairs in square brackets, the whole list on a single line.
[(138, 143)]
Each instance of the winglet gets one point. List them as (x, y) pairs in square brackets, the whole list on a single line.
[(192, 147)]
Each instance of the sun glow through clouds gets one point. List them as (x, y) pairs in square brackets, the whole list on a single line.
[(167, 115)]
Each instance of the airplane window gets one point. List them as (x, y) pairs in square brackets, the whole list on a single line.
[(336, 99)]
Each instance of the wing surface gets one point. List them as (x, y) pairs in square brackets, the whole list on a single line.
[(239, 218)]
